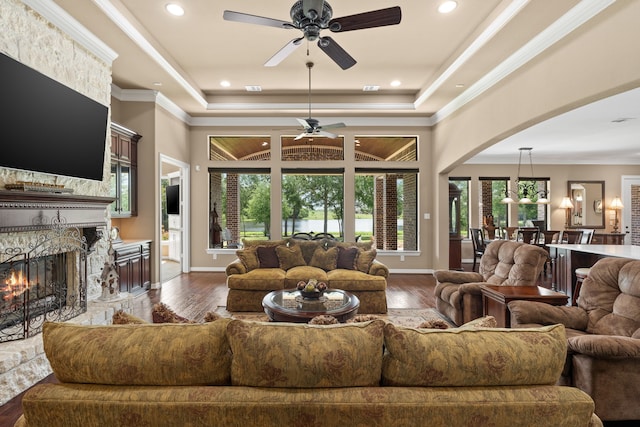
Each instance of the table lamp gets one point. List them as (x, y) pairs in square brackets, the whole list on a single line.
[(567, 206), (616, 205)]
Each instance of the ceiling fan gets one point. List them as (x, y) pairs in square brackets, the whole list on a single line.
[(313, 16), (312, 126)]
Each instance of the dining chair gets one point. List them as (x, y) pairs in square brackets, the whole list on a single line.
[(479, 244), (572, 237)]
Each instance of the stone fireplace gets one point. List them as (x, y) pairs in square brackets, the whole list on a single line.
[(51, 256)]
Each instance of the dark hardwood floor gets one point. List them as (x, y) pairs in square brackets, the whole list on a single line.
[(193, 295)]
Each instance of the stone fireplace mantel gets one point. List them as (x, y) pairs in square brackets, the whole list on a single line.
[(31, 211)]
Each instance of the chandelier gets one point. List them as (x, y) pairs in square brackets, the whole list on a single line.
[(525, 190)]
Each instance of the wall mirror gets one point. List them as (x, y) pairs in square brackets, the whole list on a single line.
[(588, 204)]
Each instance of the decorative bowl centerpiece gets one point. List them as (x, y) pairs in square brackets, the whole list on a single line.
[(312, 289)]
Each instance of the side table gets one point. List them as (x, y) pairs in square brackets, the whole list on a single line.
[(496, 298)]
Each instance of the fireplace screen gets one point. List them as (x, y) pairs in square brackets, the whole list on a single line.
[(47, 282)]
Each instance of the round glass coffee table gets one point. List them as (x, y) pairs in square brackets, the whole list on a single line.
[(288, 305)]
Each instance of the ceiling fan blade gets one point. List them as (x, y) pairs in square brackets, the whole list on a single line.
[(333, 126), (229, 15), (312, 5), (359, 21), (335, 52), (324, 133), (284, 52), (302, 135), (305, 124)]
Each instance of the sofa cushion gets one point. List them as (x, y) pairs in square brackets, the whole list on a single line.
[(268, 257), (365, 259), (353, 280), (324, 259), (256, 242), (473, 357), (304, 273), (249, 257), (144, 354), (290, 257), (261, 279), (347, 258), (304, 356)]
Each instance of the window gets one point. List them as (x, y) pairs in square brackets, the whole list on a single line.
[(533, 214), (387, 208), (313, 202), (386, 148), (492, 191), (315, 148), (463, 186), (239, 206), (239, 148)]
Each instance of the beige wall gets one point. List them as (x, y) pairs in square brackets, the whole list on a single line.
[(580, 69), (162, 133)]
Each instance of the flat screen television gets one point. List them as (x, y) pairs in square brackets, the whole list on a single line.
[(173, 199), (48, 127)]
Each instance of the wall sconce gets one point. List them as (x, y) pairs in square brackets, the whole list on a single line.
[(567, 206), (616, 205)]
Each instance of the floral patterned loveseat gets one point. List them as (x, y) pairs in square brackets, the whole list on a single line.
[(238, 373), (263, 266)]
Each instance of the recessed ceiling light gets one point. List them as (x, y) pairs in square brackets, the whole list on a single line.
[(371, 88), (157, 83), (459, 85), (447, 6), (396, 83), (174, 9), (253, 88), (225, 83)]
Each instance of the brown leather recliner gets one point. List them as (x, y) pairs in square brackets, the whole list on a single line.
[(504, 262), (603, 334)]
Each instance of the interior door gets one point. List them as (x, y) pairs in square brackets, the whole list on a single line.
[(630, 220)]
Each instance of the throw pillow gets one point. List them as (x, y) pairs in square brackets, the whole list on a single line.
[(162, 313), (325, 259), (324, 319), (482, 322), (120, 317), (347, 258), (289, 257), (365, 259), (249, 257), (434, 324), (267, 257), (362, 318)]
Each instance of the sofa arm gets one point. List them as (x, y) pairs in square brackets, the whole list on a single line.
[(533, 312), (379, 269), (457, 277), (235, 267), (605, 346)]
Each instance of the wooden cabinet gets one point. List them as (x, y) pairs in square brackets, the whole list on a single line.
[(608, 239), (124, 171), (133, 262)]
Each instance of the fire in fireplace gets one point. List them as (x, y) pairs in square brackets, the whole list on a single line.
[(45, 283)]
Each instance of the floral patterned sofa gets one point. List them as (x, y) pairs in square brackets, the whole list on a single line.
[(239, 373), (268, 265)]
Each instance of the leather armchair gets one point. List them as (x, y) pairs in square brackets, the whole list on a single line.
[(603, 335), (504, 262)]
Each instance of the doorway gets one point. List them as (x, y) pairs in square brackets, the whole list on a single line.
[(174, 214)]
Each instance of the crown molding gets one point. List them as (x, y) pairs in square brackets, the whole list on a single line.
[(130, 30), (305, 106), (574, 18), (67, 24)]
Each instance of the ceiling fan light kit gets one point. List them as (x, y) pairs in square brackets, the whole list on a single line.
[(313, 16)]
